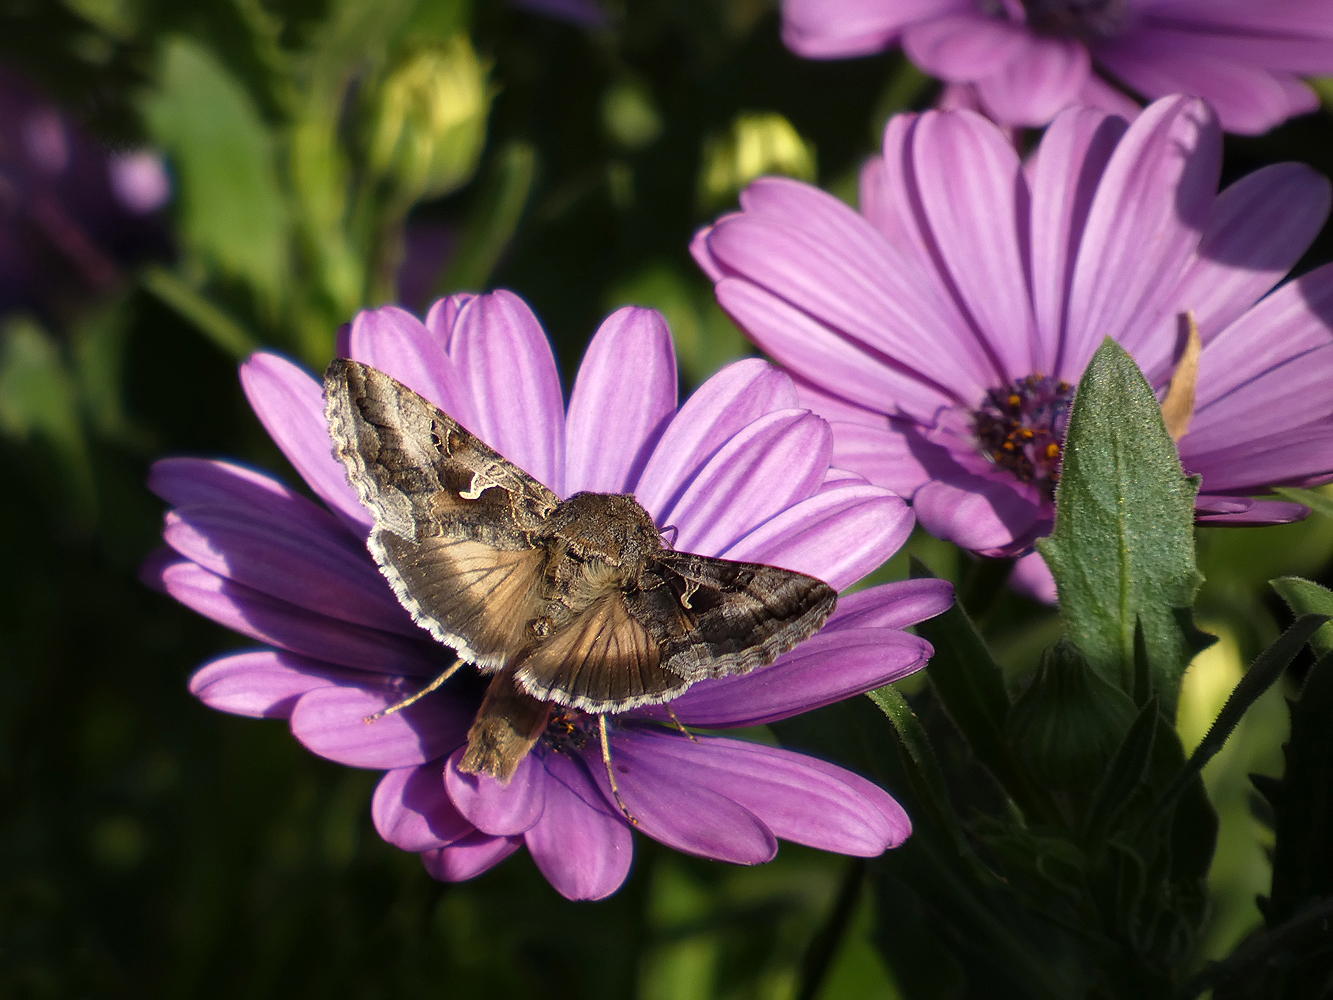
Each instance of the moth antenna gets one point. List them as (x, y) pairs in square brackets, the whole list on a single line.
[(413, 699), (684, 732), (610, 775)]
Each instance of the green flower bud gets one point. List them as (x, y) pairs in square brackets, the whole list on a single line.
[(757, 144), (1067, 725), (430, 124)]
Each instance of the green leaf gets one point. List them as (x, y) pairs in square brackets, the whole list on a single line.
[(1263, 673), (211, 321), (923, 770), (1128, 773), (971, 686), (232, 210), (1303, 852), (38, 398), (1305, 597), (1123, 546)]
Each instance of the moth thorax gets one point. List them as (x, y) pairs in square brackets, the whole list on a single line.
[(611, 528)]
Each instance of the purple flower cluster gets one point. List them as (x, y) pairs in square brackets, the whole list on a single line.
[(1030, 59), (941, 330), (70, 212), (741, 470)]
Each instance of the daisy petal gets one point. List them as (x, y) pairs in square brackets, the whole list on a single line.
[(500, 809), (265, 684), (614, 422), (1065, 172), (322, 571), (272, 620), (964, 47), (502, 353), (972, 213), (289, 402), (797, 801), (1036, 85), (1144, 224), (835, 29), (1257, 230), (1032, 578), (833, 665), (443, 314), (398, 344), (469, 857), (331, 722), (775, 462), (582, 844), (892, 605), (1256, 513), (412, 811), (1248, 99), (837, 536), (671, 808), (736, 396)]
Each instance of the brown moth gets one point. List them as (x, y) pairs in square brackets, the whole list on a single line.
[(575, 603)]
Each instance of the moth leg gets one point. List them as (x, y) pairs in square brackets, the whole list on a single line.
[(413, 699), (683, 731), (610, 775)]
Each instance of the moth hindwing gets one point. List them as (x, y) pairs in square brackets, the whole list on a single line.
[(576, 603)]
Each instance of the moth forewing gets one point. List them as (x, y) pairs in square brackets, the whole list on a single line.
[(453, 518)]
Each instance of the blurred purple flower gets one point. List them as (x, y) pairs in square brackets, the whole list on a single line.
[(71, 213), (741, 471), (583, 13), (966, 301), (1029, 59)]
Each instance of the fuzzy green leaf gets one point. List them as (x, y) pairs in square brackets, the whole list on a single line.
[(1123, 546)]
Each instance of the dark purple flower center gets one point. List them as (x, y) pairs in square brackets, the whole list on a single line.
[(1083, 20), (568, 731), (1021, 427)]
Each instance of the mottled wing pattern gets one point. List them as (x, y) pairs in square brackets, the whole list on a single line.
[(603, 660), (453, 519), (712, 617)]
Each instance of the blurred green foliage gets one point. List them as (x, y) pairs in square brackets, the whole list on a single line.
[(152, 848)]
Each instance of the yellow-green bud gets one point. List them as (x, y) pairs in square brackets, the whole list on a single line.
[(431, 119), (757, 144)]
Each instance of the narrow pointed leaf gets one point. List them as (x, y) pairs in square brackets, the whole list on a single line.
[(971, 686), (1263, 673), (1122, 551), (1305, 597), (1303, 810), (923, 770)]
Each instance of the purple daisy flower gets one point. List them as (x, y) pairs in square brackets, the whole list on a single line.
[(942, 331), (1029, 59), (741, 470)]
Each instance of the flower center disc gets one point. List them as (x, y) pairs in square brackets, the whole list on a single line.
[(1084, 20), (567, 731), (1021, 427)]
